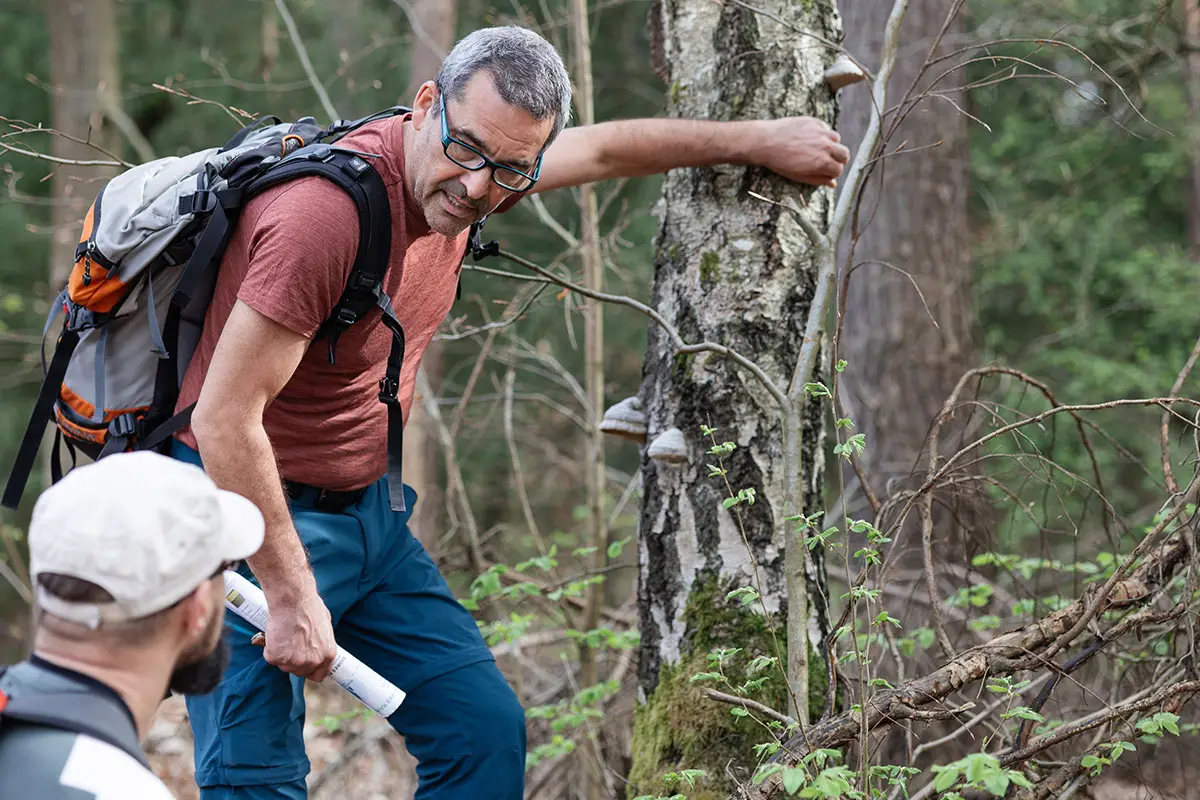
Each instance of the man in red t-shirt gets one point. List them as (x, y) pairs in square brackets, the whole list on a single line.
[(306, 440)]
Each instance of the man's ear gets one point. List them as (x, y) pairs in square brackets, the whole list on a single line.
[(195, 611), (425, 98)]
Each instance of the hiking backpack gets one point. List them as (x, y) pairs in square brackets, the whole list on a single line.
[(143, 277)]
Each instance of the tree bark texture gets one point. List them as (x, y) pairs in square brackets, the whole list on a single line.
[(907, 338), (738, 271)]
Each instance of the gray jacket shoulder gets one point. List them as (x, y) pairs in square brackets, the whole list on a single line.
[(32, 759)]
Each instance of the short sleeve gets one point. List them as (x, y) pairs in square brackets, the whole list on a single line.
[(301, 250)]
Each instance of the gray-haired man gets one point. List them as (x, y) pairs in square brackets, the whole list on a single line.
[(306, 440)]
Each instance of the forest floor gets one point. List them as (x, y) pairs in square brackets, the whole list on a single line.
[(363, 758)]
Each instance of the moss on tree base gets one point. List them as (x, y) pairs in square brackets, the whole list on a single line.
[(679, 728)]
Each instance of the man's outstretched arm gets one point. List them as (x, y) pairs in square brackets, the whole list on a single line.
[(802, 149)]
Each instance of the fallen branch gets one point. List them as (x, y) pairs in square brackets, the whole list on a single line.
[(1005, 654)]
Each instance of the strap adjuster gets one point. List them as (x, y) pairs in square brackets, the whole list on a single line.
[(389, 390), (346, 317), (362, 280), (124, 425)]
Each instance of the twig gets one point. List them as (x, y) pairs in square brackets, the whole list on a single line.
[(239, 117), (515, 459), (129, 128), (302, 52), (23, 127), (74, 162), (454, 480), (1164, 428), (415, 21), (550, 222), (677, 340), (1069, 731), (747, 703)]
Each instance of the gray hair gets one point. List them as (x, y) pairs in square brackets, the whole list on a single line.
[(526, 69)]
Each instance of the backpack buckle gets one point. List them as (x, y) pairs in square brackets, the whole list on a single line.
[(201, 201), (361, 280), (124, 425), (389, 390), (346, 317)]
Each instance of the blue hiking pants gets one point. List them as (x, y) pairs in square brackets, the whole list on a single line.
[(393, 610)]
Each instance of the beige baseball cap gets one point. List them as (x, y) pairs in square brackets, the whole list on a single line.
[(145, 527)]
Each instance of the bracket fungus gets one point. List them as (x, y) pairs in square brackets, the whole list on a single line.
[(625, 419), (843, 72), (669, 447)]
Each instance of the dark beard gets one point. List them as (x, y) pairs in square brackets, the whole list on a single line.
[(202, 675)]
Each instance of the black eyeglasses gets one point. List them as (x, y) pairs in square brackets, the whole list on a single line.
[(468, 157)]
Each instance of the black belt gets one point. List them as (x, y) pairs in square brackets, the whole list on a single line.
[(326, 500)]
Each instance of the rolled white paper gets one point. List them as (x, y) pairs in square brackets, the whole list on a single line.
[(375, 691)]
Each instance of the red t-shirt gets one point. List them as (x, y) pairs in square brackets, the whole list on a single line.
[(289, 259)]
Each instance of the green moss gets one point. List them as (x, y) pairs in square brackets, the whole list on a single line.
[(710, 266), (682, 362), (679, 728)]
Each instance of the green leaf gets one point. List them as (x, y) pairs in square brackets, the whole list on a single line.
[(793, 779), (945, 779), (841, 365), (614, 548), (1021, 712), (996, 783), (766, 749), (738, 711), (729, 502), (1087, 762)]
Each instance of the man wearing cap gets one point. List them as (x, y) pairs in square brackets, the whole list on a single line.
[(126, 557)]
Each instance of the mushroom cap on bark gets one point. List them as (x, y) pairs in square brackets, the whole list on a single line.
[(626, 419), (669, 447), (843, 72)]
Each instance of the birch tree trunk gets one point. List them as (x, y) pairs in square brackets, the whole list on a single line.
[(738, 271)]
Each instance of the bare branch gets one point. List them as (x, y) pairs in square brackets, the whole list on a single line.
[(302, 52), (680, 345), (748, 704)]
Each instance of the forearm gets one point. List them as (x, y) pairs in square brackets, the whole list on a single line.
[(636, 147), (238, 457)]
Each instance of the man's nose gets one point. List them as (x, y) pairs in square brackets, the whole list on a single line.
[(477, 183)]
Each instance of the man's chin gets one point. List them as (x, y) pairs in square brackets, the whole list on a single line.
[(204, 674), (442, 221)]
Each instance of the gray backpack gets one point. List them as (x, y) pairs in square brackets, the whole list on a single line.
[(142, 281)]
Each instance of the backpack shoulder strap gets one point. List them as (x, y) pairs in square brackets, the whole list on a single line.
[(352, 172), (57, 702)]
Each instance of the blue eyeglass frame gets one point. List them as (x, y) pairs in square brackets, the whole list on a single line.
[(447, 140)]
